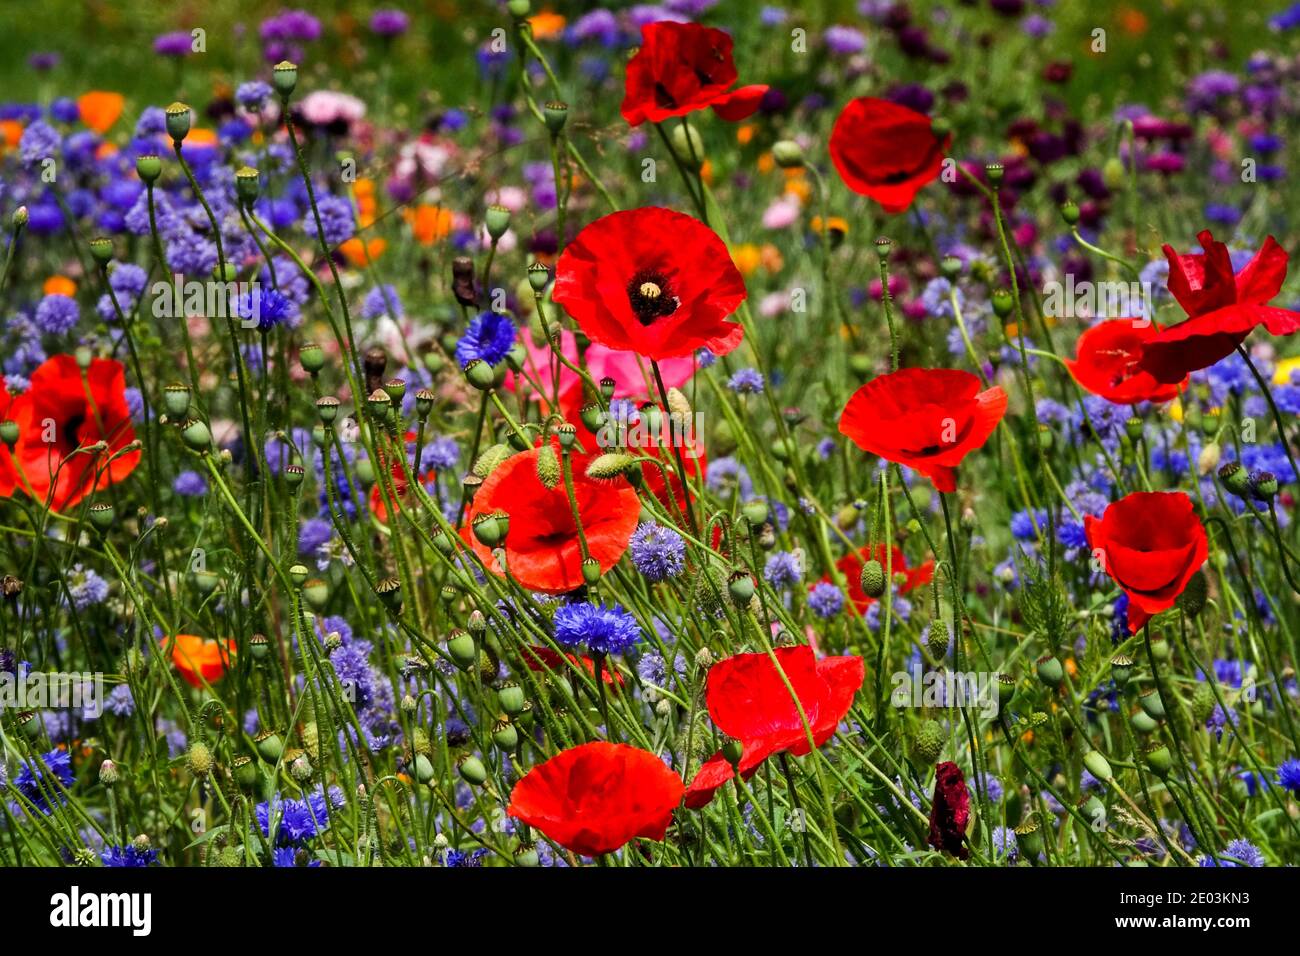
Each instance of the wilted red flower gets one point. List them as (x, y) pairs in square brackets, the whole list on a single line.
[(198, 660), (1223, 308), (594, 798), (681, 68), (1150, 543), (949, 811), (928, 419), (748, 700), (61, 412), (543, 552), (851, 567), (886, 151), (1107, 362), (540, 658), (651, 281)]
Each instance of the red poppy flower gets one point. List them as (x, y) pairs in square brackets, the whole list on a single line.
[(949, 811), (198, 660), (539, 658), (748, 700), (1150, 543), (681, 68), (62, 412), (594, 798), (542, 548), (928, 419), (401, 487), (1107, 363), (886, 151), (851, 567), (1223, 308), (8, 476), (651, 281)]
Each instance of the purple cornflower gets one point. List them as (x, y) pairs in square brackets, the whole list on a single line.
[(39, 141), (57, 314), (381, 300), (783, 570), (130, 855), (178, 43), (40, 778), (389, 23), (825, 599), (190, 484), (253, 95), (844, 41), (489, 337), (658, 551), (605, 630), (1288, 775), (121, 702), (313, 533), (336, 219), (747, 381), (86, 588)]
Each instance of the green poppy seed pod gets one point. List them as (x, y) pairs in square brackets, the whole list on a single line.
[(471, 484), (511, 697), (994, 172), (1112, 172), (442, 542), (199, 759), (424, 400), (1002, 303), (259, 647), (505, 735), (178, 121), (248, 183), (148, 167), (950, 267), (1029, 838), (422, 769), (84, 356), (364, 469), (538, 277), (1159, 647), (311, 357), (497, 221), (480, 374), (1151, 704), (1210, 424), (940, 127), (1160, 760), (687, 145), (102, 515), (1006, 689), (284, 77), (1263, 485), (327, 408), (1144, 723), (395, 389), (299, 574), (1235, 478), (928, 743), (269, 745), (519, 8), (607, 386), (733, 750), (590, 571), (593, 417), (461, 647), (9, 432), (568, 436), (1133, 427), (526, 854), (1050, 670), (379, 404), (245, 772), (1121, 669), (389, 592), (884, 246), (196, 435), (756, 512), (1070, 212), (101, 250), (1046, 437), (740, 585), (28, 725), (176, 400), (19, 218), (205, 581), (294, 475), (471, 770), (788, 154), (556, 114), (1098, 765), (872, 578), (487, 530), (316, 593), (519, 441)]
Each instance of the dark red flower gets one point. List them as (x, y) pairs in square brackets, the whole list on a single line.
[(1150, 543), (950, 811), (651, 281), (543, 552), (681, 68), (539, 658), (1222, 308), (748, 700), (928, 419), (1107, 363), (886, 151), (851, 567), (60, 416), (594, 798)]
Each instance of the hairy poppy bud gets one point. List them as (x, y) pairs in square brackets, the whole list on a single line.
[(872, 578), (928, 743), (787, 154), (1070, 212), (548, 466), (199, 759), (1192, 600)]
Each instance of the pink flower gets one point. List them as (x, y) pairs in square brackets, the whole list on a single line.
[(632, 376), (323, 107)]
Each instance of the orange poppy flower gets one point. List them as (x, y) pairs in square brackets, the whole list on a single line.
[(59, 285), (100, 109), (198, 659), (430, 224), (358, 254), (546, 25)]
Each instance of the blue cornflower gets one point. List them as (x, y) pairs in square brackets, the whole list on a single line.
[(825, 599), (335, 217), (747, 381), (1236, 853), (488, 336), (39, 141), (57, 314), (129, 856), (441, 453), (37, 780), (1023, 524), (658, 552), (313, 533), (121, 702), (265, 309), (86, 588), (605, 630), (381, 300), (253, 95), (459, 858), (1005, 845), (783, 569), (1288, 775), (190, 484)]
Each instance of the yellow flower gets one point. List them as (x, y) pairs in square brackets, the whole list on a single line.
[(747, 257), (1282, 372)]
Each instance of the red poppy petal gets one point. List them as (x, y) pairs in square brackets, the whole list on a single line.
[(740, 103)]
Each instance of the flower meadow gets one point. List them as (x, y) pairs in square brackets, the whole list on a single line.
[(541, 434)]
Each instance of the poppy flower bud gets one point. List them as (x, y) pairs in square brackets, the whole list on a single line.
[(1050, 670), (108, 773), (317, 593), (1203, 702), (20, 217), (269, 745), (497, 221), (787, 154), (1192, 600), (1070, 212), (471, 770), (741, 587), (687, 145), (1002, 303), (199, 759), (102, 515), (1098, 765), (461, 647), (1112, 172), (590, 571), (511, 698), (928, 743), (937, 639), (196, 435), (1144, 723), (610, 465), (1263, 485), (9, 432), (480, 374), (1121, 669), (284, 77), (519, 8), (1235, 478), (555, 114), (756, 512), (994, 172), (258, 647), (872, 578), (1160, 760), (148, 167), (178, 122), (1151, 704), (247, 185)]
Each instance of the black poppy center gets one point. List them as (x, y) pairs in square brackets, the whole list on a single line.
[(650, 298)]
